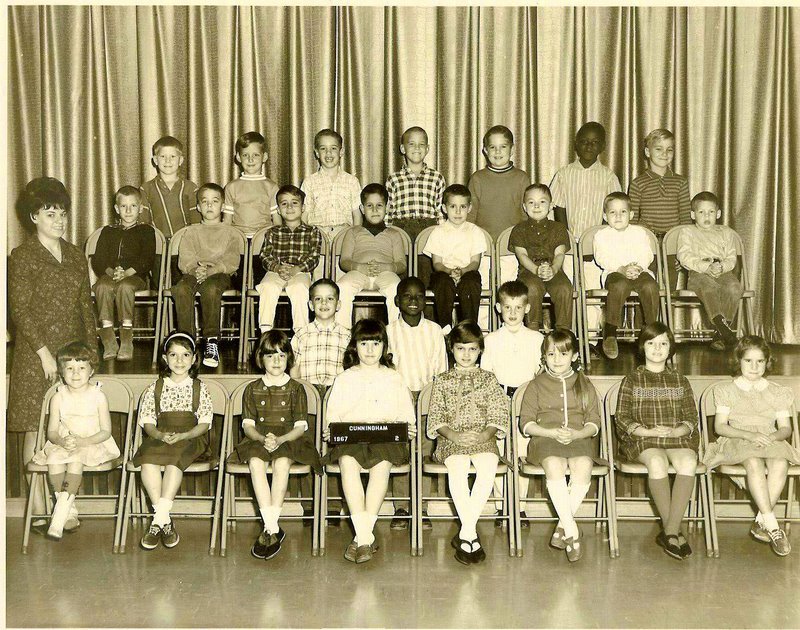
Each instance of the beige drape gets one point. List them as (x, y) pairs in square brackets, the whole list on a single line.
[(91, 88)]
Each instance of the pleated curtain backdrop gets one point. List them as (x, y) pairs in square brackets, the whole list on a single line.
[(91, 88)]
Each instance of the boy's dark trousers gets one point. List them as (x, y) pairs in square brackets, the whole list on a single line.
[(210, 290), (560, 290), (445, 290)]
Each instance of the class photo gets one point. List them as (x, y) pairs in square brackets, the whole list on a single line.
[(392, 316)]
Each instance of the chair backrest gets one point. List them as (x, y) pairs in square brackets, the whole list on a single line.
[(313, 402), (335, 272), (174, 274), (487, 265), (669, 253), (255, 270), (507, 265), (586, 250), (157, 271), (219, 405), (120, 405)]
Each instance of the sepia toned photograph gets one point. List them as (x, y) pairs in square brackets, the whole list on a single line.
[(402, 316)]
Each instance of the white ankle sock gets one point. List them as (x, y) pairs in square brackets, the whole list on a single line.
[(162, 508), (265, 517), (770, 522), (272, 514)]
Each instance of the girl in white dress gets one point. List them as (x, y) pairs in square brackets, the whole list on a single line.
[(78, 432)]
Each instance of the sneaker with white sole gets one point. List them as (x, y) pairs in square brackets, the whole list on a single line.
[(151, 537), (169, 536), (211, 355), (779, 542), (760, 533)]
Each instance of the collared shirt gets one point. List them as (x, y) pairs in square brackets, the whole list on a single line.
[(300, 246), (456, 244), (513, 357), (175, 397), (660, 202), (319, 352), (331, 200), (418, 352), (582, 192), (540, 239), (251, 201), (615, 248), (413, 196), (698, 247), (169, 209)]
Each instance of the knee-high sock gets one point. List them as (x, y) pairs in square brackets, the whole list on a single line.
[(72, 481), (559, 495), (659, 490), (57, 481), (681, 493), (577, 493)]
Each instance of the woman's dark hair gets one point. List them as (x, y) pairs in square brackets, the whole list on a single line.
[(367, 330), (651, 331), (750, 342), (76, 351), (40, 193), (565, 341), (272, 342), (184, 340)]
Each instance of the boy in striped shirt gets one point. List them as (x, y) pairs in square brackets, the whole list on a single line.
[(418, 352)]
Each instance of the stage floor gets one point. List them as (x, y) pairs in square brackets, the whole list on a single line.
[(79, 582)]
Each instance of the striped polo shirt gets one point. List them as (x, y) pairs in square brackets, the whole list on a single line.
[(582, 191), (660, 202)]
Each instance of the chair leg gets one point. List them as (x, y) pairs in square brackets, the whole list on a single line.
[(29, 512), (323, 507), (126, 512), (517, 511), (412, 504), (223, 537), (217, 502), (789, 512), (121, 496), (316, 521), (705, 499)]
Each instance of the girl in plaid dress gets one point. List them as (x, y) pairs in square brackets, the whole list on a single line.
[(656, 423)]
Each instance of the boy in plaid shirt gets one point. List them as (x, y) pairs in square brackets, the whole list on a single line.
[(289, 255)]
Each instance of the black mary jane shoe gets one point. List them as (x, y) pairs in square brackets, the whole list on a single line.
[(670, 545), (478, 555), (686, 550), (40, 529), (464, 557)]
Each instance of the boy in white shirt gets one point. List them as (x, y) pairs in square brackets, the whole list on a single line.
[(624, 253), (513, 354), (455, 248)]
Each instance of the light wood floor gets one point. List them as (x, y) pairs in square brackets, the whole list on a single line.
[(79, 582)]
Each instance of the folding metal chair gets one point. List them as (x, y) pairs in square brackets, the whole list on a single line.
[(135, 498), (486, 269), (255, 273), (368, 297), (120, 405), (507, 268), (426, 466), (235, 435), (233, 297), (597, 297), (604, 473), (625, 467), (707, 416), (683, 298), (151, 297), (334, 469)]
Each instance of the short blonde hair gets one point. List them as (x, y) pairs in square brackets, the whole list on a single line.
[(656, 135)]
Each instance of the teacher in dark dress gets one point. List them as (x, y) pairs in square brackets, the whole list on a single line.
[(50, 305)]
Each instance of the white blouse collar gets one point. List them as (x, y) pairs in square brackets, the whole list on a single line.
[(187, 382), (742, 383), (275, 382)]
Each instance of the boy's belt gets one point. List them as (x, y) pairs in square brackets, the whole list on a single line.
[(510, 390)]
